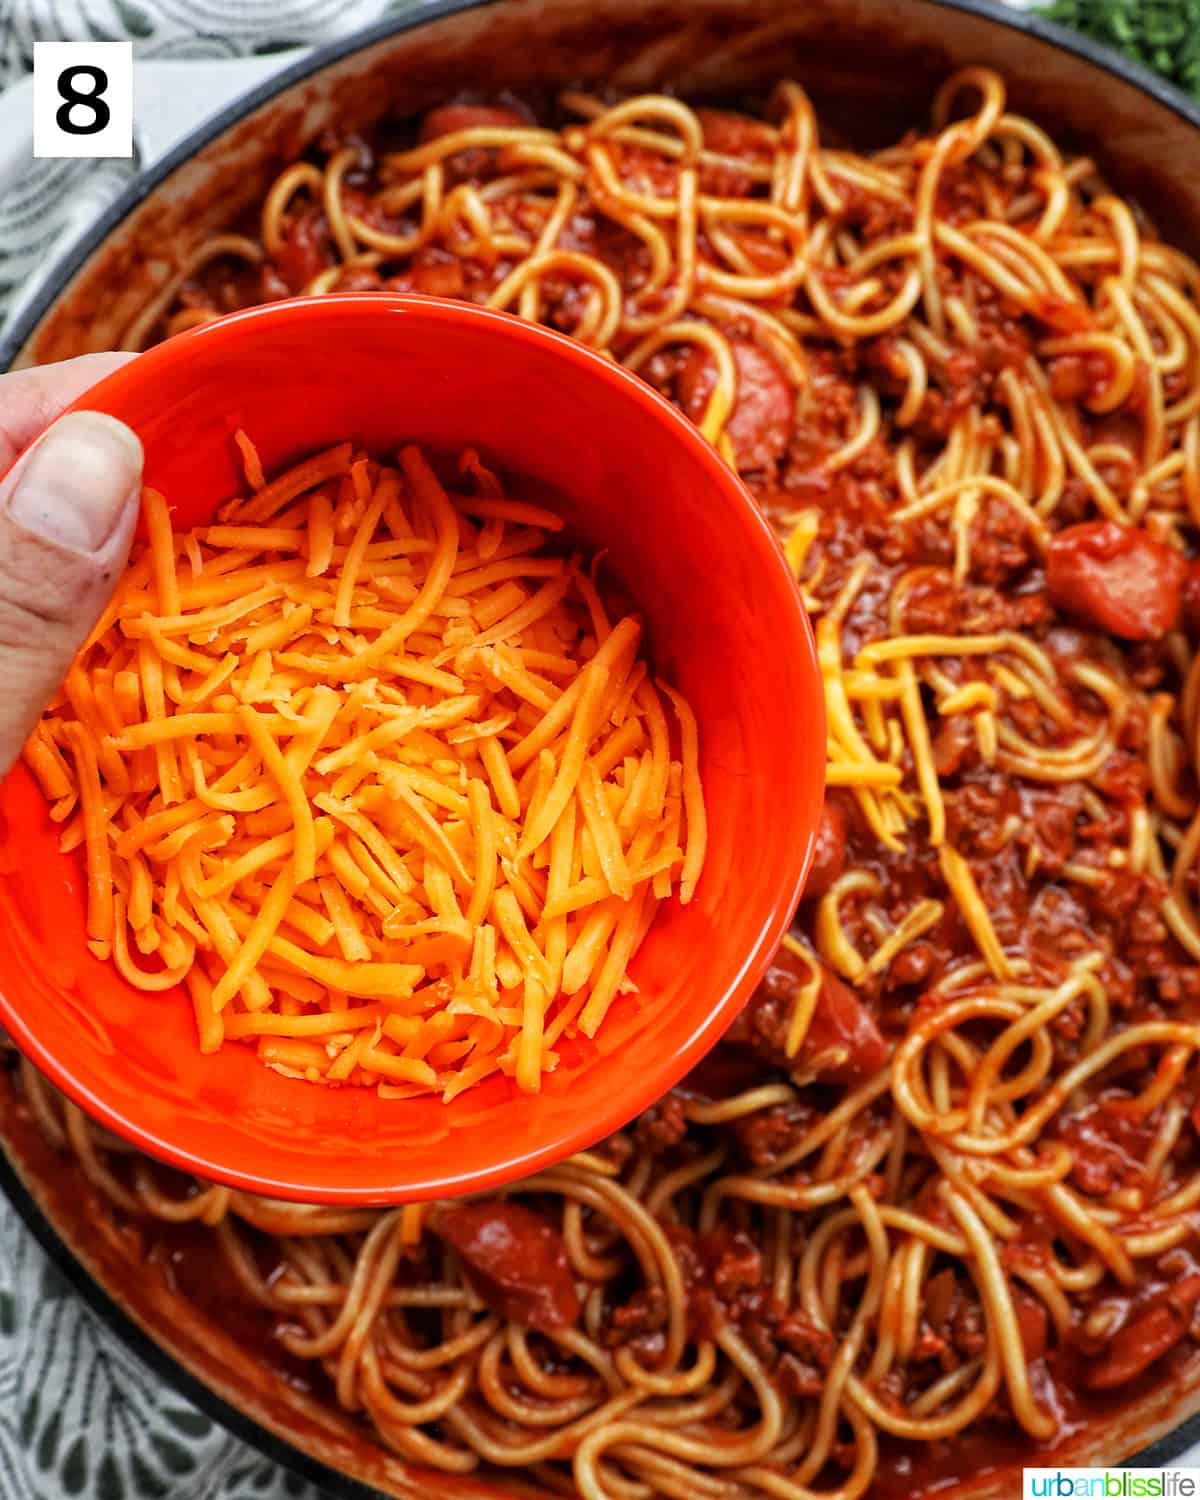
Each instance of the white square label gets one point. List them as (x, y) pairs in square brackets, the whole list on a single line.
[(82, 99)]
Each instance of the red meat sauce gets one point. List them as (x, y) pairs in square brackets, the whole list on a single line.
[(994, 1446), (1101, 594), (760, 423)]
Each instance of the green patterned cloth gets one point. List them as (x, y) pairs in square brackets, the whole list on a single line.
[(1163, 34), (80, 1416)]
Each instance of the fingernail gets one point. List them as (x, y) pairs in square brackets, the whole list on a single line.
[(75, 485)]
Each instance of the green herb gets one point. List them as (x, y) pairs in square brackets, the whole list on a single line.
[(1163, 34)]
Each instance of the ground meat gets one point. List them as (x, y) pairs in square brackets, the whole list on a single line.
[(766, 1135), (661, 1127), (733, 1259), (1002, 544), (617, 1148), (878, 215), (1178, 984), (824, 417), (358, 279), (953, 1327), (723, 1272), (981, 816), (1001, 883), (1107, 1149), (807, 1353), (433, 272), (1047, 825), (727, 1284), (650, 173), (645, 1312), (796, 1377), (933, 604), (730, 134)]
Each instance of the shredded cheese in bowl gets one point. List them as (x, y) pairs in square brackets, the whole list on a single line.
[(383, 779)]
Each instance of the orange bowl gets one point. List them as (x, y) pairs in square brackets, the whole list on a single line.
[(724, 622)]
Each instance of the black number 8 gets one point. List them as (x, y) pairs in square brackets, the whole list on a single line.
[(71, 94)]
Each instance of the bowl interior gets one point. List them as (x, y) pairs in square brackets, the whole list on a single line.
[(724, 622)]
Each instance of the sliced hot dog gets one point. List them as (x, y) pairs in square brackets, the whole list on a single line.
[(1116, 578)]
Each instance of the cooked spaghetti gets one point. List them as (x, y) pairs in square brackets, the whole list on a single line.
[(375, 775), (932, 1205)]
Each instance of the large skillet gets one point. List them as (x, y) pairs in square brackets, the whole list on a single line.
[(868, 63)]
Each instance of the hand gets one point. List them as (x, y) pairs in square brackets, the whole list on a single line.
[(67, 513)]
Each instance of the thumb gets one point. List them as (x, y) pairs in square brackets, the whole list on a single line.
[(67, 512)]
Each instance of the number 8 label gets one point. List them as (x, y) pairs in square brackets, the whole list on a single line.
[(82, 99), (93, 99)]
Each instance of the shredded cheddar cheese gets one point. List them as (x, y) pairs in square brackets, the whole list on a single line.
[(881, 750), (387, 786)]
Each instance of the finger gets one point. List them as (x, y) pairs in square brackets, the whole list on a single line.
[(67, 513), (31, 399)]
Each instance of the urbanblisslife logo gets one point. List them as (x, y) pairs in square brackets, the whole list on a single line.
[(1111, 1484)]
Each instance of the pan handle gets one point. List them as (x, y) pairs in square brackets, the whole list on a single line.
[(170, 99)]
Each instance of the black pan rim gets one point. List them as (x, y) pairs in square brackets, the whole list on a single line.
[(338, 1485)]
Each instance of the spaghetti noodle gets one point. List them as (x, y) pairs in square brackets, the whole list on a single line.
[(938, 1186)]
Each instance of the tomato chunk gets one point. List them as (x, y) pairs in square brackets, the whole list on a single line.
[(1116, 578), (515, 1259)]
